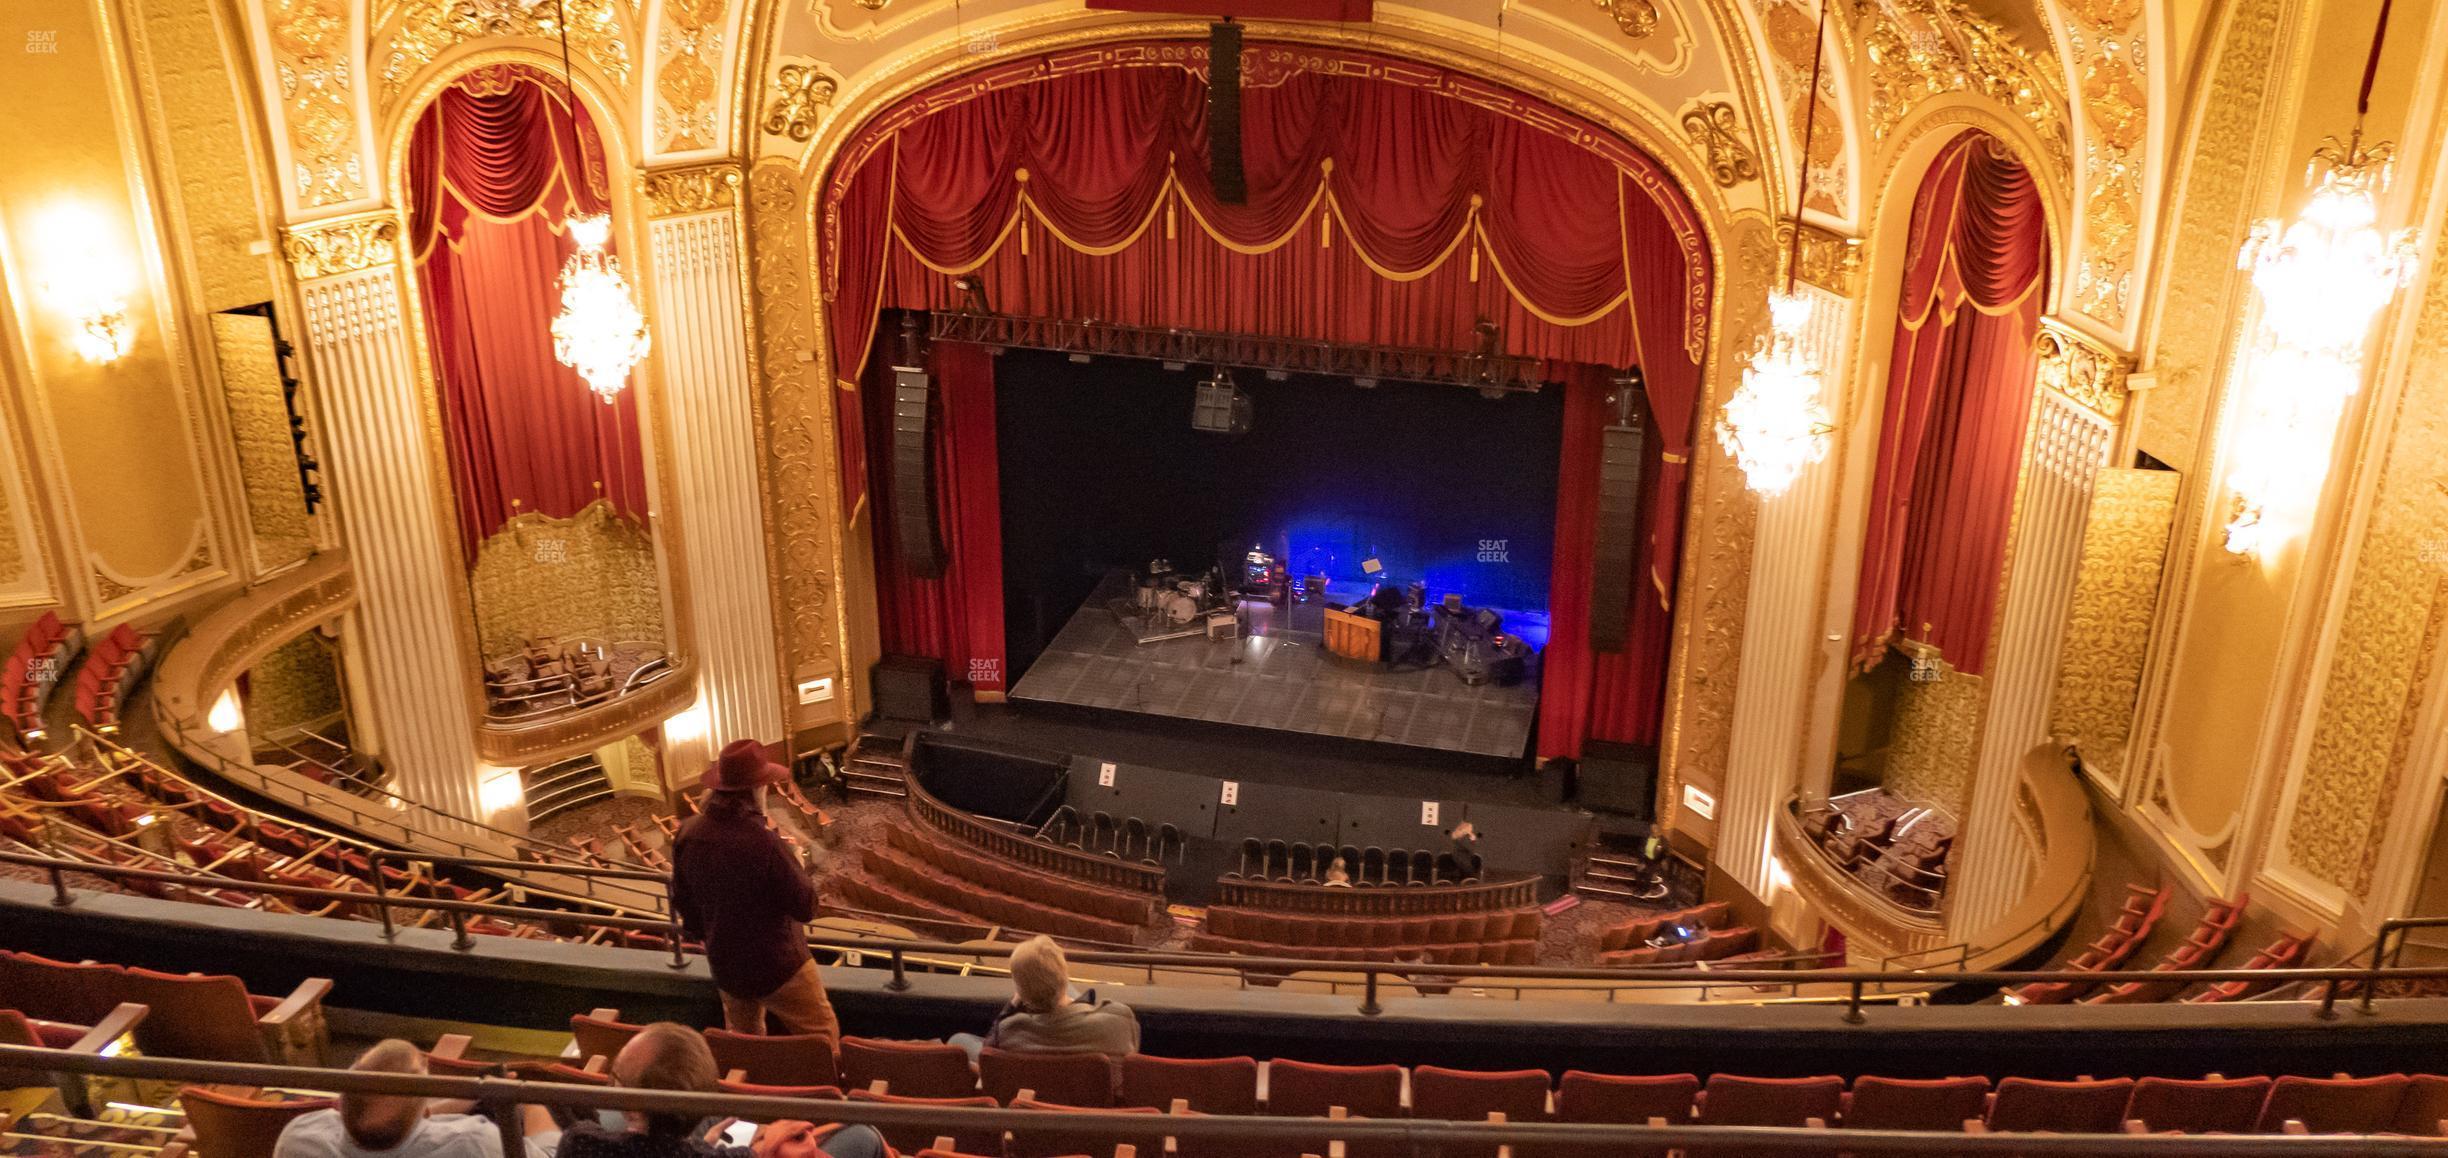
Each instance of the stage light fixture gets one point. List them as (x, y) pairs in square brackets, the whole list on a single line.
[(2321, 280), (1219, 406), (1082, 359)]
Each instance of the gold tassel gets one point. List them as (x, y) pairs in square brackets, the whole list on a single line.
[(1326, 228), (1024, 250), (1170, 232), (1474, 260)]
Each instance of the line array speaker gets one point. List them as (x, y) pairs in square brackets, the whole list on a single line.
[(1224, 113), (1612, 575), (913, 484), (1618, 778)]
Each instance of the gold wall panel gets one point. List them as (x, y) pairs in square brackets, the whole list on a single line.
[(1789, 26), (598, 32), (589, 576), (1936, 738), (2108, 622), (2197, 292), (688, 48), (2388, 630), (313, 69), (189, 84), (798, 415), (296, 685), (259, 426)]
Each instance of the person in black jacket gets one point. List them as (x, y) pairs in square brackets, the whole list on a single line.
[(742, 894)]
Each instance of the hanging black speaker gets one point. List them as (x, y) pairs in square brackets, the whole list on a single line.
[(915, 537), (1613, 572), (1224, 113)]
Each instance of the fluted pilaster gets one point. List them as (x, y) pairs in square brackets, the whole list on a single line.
[(410, 663), (701, 337), (2069, 444)]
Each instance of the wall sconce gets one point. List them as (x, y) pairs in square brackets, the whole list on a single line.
[(85, 282), (686, 727), (500, 790)]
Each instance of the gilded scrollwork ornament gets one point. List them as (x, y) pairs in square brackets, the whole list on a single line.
[(1717, 129), (1634, 18), (672, 192), (801, 95), (341, 245)]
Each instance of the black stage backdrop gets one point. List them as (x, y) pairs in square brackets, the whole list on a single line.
[(1101, 469)]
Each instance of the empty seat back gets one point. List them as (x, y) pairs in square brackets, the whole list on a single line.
[(195, 1016), (2208, 1106), (2333, 1105), (229, 1126), (913, 1138), (1309, 1089), (600, 1036), (1083, 1080), (1472, 1095), (1210, 1085), (1731, 1100), (791, 1059), (2077, 1107), (1055, 1141), (913, 1069)]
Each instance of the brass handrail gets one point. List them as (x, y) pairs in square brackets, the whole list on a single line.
[(1430, 1134)]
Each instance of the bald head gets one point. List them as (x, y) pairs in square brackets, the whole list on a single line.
[(666, 1056), (383, 1121)]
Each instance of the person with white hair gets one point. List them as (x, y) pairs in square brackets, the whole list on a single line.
[(1045, 1016), (397, 1125)]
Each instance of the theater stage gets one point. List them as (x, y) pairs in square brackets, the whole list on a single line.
[(1278, 677)]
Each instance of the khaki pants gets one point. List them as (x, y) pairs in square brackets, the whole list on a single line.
[(800, 1006)]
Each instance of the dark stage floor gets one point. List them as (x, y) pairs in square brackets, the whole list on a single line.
[(1278, 678)]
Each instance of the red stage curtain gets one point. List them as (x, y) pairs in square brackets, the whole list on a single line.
[(1958, 398), (1389, 203), (959, 618), (490, 182), (1586, 695)]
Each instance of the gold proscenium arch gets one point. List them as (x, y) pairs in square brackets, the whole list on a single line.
[(581, 732), (1716, 556)]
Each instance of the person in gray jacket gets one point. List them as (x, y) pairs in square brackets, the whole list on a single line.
[(1044, 1016)]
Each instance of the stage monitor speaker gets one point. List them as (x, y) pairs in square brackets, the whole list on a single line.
[(1224, 113), (1612, 571), (910, 688), (913, 479), (1618, 778)]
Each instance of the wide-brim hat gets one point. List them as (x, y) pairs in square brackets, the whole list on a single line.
[(743, 766)]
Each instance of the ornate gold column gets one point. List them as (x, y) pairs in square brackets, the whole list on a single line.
[(2080, 397), (387, 491), (1780, 635), (701, 337)]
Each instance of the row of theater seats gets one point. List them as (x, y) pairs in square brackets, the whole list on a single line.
[(897, 880), (2133, 925), (33, 668), (111, 667), (1635, 933), (118, 810), (192, 1015), (1499, 937), (811, 1066), (1088, 899), (1741, 941), (2199, 949)]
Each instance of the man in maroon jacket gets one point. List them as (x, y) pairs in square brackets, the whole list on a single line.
[(740, 891)]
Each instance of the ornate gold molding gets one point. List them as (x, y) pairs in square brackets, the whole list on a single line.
[(1920, 50), (688, 49), (317, 91), (2108, 617), (427, 27), (342, 244), (672, 192), (798, 402), (801, 94), (1634, 18), (1716, 128), (2082, 369), (1826, 259)]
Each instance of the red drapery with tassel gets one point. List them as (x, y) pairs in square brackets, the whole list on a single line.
[(1389, 203), (1958, 398), (493, 172)]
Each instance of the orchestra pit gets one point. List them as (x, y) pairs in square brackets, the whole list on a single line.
[(1282, 578)]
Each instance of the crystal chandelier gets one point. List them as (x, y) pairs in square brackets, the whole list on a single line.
[(1774, 424), (599, 332), (2321, 279)]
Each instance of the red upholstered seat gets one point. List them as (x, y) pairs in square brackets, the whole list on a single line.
[(210, 1018), (791, 1059), (1470, 1096), (1609, 1098), (2077, 1107), (2424, 1106), (228, 1126), (1210, 1085), (1084, 1080), (601, 1037), (825, 1093), (1940, 1104), (2209, 1106), (921, 1137), (1054, 1141), (2334, 1105), (1731, 1100), (1310, 1090), (51, 990), (912, 1069)]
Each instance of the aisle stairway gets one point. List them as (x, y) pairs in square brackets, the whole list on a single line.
[(873, 766), (558, 787)]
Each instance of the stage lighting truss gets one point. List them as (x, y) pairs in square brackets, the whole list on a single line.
[(1482, 370)]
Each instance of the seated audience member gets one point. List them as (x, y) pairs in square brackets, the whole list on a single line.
[(1043, 1015), (1337, 877), (396, 1126), (668, 1056)]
